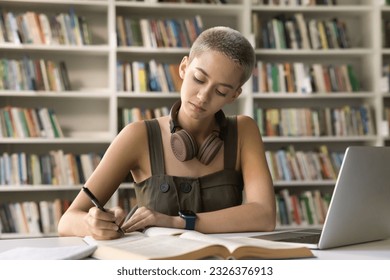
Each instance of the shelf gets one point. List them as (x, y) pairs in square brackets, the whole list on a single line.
[(349, 52), (37, 188), (90, 49), (148, 95), (25, 235), (299, 184), (61, 141), (153, 51), (330, 139), (336, 95), (90, 5), (337, 10), (174, 7), (84, 93)]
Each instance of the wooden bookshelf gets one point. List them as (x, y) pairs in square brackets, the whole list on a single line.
[(89, 110)]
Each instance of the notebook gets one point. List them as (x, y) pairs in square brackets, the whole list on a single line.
[(359, 210)]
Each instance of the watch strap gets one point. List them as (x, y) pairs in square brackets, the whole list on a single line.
[(190, 222), (189, 217)]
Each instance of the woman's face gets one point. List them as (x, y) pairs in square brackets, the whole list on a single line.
[(210, 81)]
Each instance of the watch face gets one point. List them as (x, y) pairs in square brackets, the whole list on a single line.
[(187, 213)]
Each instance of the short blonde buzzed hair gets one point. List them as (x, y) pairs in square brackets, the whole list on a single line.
[(229, 42)]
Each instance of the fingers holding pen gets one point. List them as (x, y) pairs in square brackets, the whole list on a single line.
[(102, 224), (119, 214)]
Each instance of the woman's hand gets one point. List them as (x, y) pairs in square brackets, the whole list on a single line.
[(144, 218), (105, 225)]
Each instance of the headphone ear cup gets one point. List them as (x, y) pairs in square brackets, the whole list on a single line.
[(209, 148), (183, 145)]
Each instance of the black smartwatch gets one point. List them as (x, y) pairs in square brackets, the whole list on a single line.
[(190, 217)]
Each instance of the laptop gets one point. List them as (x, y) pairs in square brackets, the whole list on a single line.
[(359, 210)]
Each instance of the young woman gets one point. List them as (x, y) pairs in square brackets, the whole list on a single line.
[(194, 169)]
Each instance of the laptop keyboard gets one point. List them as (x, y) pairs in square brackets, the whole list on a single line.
[(308, 239), (306, 236)]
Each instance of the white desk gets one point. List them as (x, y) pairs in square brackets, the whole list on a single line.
[(379, 250), (46, 242)]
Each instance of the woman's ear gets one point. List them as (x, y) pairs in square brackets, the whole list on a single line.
[(237, 94), (183, 66)]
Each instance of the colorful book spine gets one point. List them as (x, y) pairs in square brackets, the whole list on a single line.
[(53, 168), (158, 33), (18, 122)]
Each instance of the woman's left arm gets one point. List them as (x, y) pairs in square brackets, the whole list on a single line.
[(258, 211)]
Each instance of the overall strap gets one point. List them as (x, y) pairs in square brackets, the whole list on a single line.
[(230, 148), (156, 154)]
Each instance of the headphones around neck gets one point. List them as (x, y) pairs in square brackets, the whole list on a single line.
[(184, 145)]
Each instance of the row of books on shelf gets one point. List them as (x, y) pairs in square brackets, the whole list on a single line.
[(299, 77), (157, 33), (289, 164), (296, 32), (129, 115), (40, 28), (303, 209), (54, 168), (42, 217), (33, 74), (19, 122), (294, 2), (31, 217), (317, 122), (139, 76)]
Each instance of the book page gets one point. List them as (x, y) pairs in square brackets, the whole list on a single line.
[(136, 235), (154, 231), (129, 237), (157, 247), (230, 244), (233, 243), (246, 247), (265, 243)]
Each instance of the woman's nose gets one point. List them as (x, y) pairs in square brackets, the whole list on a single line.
[(204, 94)]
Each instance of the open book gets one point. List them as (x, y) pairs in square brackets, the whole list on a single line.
[(173, 244)]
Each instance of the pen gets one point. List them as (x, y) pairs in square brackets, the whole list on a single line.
[(96, 202)]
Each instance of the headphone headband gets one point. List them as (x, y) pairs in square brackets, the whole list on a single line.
[(173, 123)]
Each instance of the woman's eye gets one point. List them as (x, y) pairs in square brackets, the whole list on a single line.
[(198, 81), (221, 93)]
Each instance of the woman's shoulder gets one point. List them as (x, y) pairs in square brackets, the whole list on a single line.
[(134, 128), (138, 128), (245, 121), (247, 127)]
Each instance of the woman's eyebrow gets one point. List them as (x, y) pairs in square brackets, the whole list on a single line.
[(205, 73)]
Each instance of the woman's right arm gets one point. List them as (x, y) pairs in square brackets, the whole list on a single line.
[(124, 154)]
